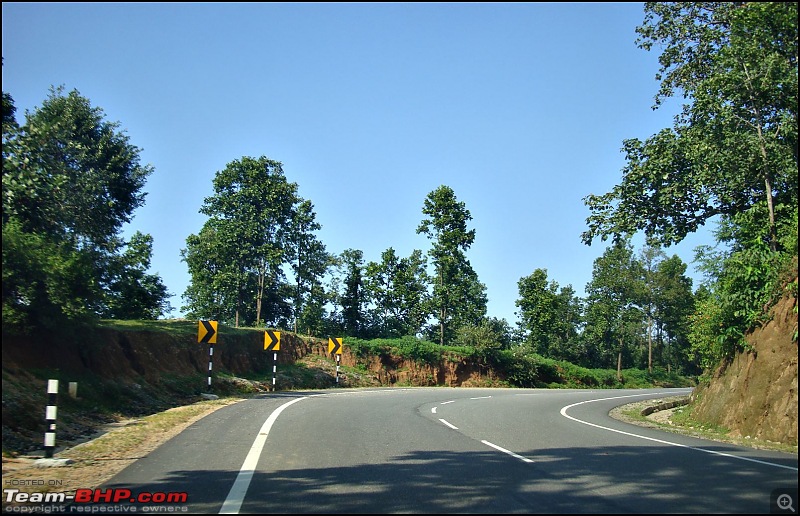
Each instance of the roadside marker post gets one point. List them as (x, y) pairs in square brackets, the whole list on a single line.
[(335, 347), (50, 419), (207, 332), (272, 341)]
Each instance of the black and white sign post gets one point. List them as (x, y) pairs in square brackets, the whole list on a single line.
[(335, 347), (207, 332), (50, 418), (272, 341)]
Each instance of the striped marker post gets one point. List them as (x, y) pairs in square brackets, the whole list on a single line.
[(210, 360), (335, 347), (272, 341), (207, 332), (274, 368), (50, 418)]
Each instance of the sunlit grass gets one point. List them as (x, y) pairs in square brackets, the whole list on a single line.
[(127, 439)]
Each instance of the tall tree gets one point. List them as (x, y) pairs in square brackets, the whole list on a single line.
[(399, 288), (651, 256), (615, 298), (734, 146), (356, 320), (310, 262), (71, 180), (458, 297), (133, 292), (250, 221), (675, 304), (549, 316)]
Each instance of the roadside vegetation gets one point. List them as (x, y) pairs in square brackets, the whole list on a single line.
[(72, 180)]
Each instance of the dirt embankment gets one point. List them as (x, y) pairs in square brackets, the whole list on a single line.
[(135, 373), (755, 393), (148, 371)]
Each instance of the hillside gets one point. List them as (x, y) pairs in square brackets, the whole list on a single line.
[(129, 373), (134, 372), (755, 393)]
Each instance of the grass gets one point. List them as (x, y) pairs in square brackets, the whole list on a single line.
[(683, 423), (120, 443)]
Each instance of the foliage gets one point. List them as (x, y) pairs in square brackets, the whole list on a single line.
[(258, 226), (458, 297), (399, 289), (355, 298), (549, 317), (71, 180), (735, 143), (310, 261), (484, 340), (408, 347), (615, 319), (136, 294), (731, 157)]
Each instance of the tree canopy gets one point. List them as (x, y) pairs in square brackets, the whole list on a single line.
[(458, 296), (71, 181), (733, 148)]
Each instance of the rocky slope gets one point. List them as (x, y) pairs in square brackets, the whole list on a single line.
[(755, 393)]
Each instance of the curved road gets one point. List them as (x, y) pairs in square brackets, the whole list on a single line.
[(446, 450)]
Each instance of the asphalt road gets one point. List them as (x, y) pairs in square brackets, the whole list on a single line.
[(445, 450)]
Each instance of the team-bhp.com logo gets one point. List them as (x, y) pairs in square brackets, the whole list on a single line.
[(56, 502)]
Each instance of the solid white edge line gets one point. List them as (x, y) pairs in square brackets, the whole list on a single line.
[(564, 413), (520, 457), (236, 495)]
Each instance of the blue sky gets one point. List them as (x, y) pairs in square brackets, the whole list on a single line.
[(520, 108)]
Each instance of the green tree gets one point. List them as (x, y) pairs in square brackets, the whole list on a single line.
[(354, 301), (614, 304), (731, 155), (399, 288), (243, 246), (706, 348), (549, 317), (71, 180), (734, 146), (310, 262), (650, 257), (458, 297), (133, 293), (674, 306)]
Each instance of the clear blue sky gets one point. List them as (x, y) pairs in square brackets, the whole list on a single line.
[(520, 108)]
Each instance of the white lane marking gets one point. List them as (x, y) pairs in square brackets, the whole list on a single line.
[(448, 424), (520, 457), (233, 503), (433, 410), (481, 398), (564, 413), (446, 402)]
